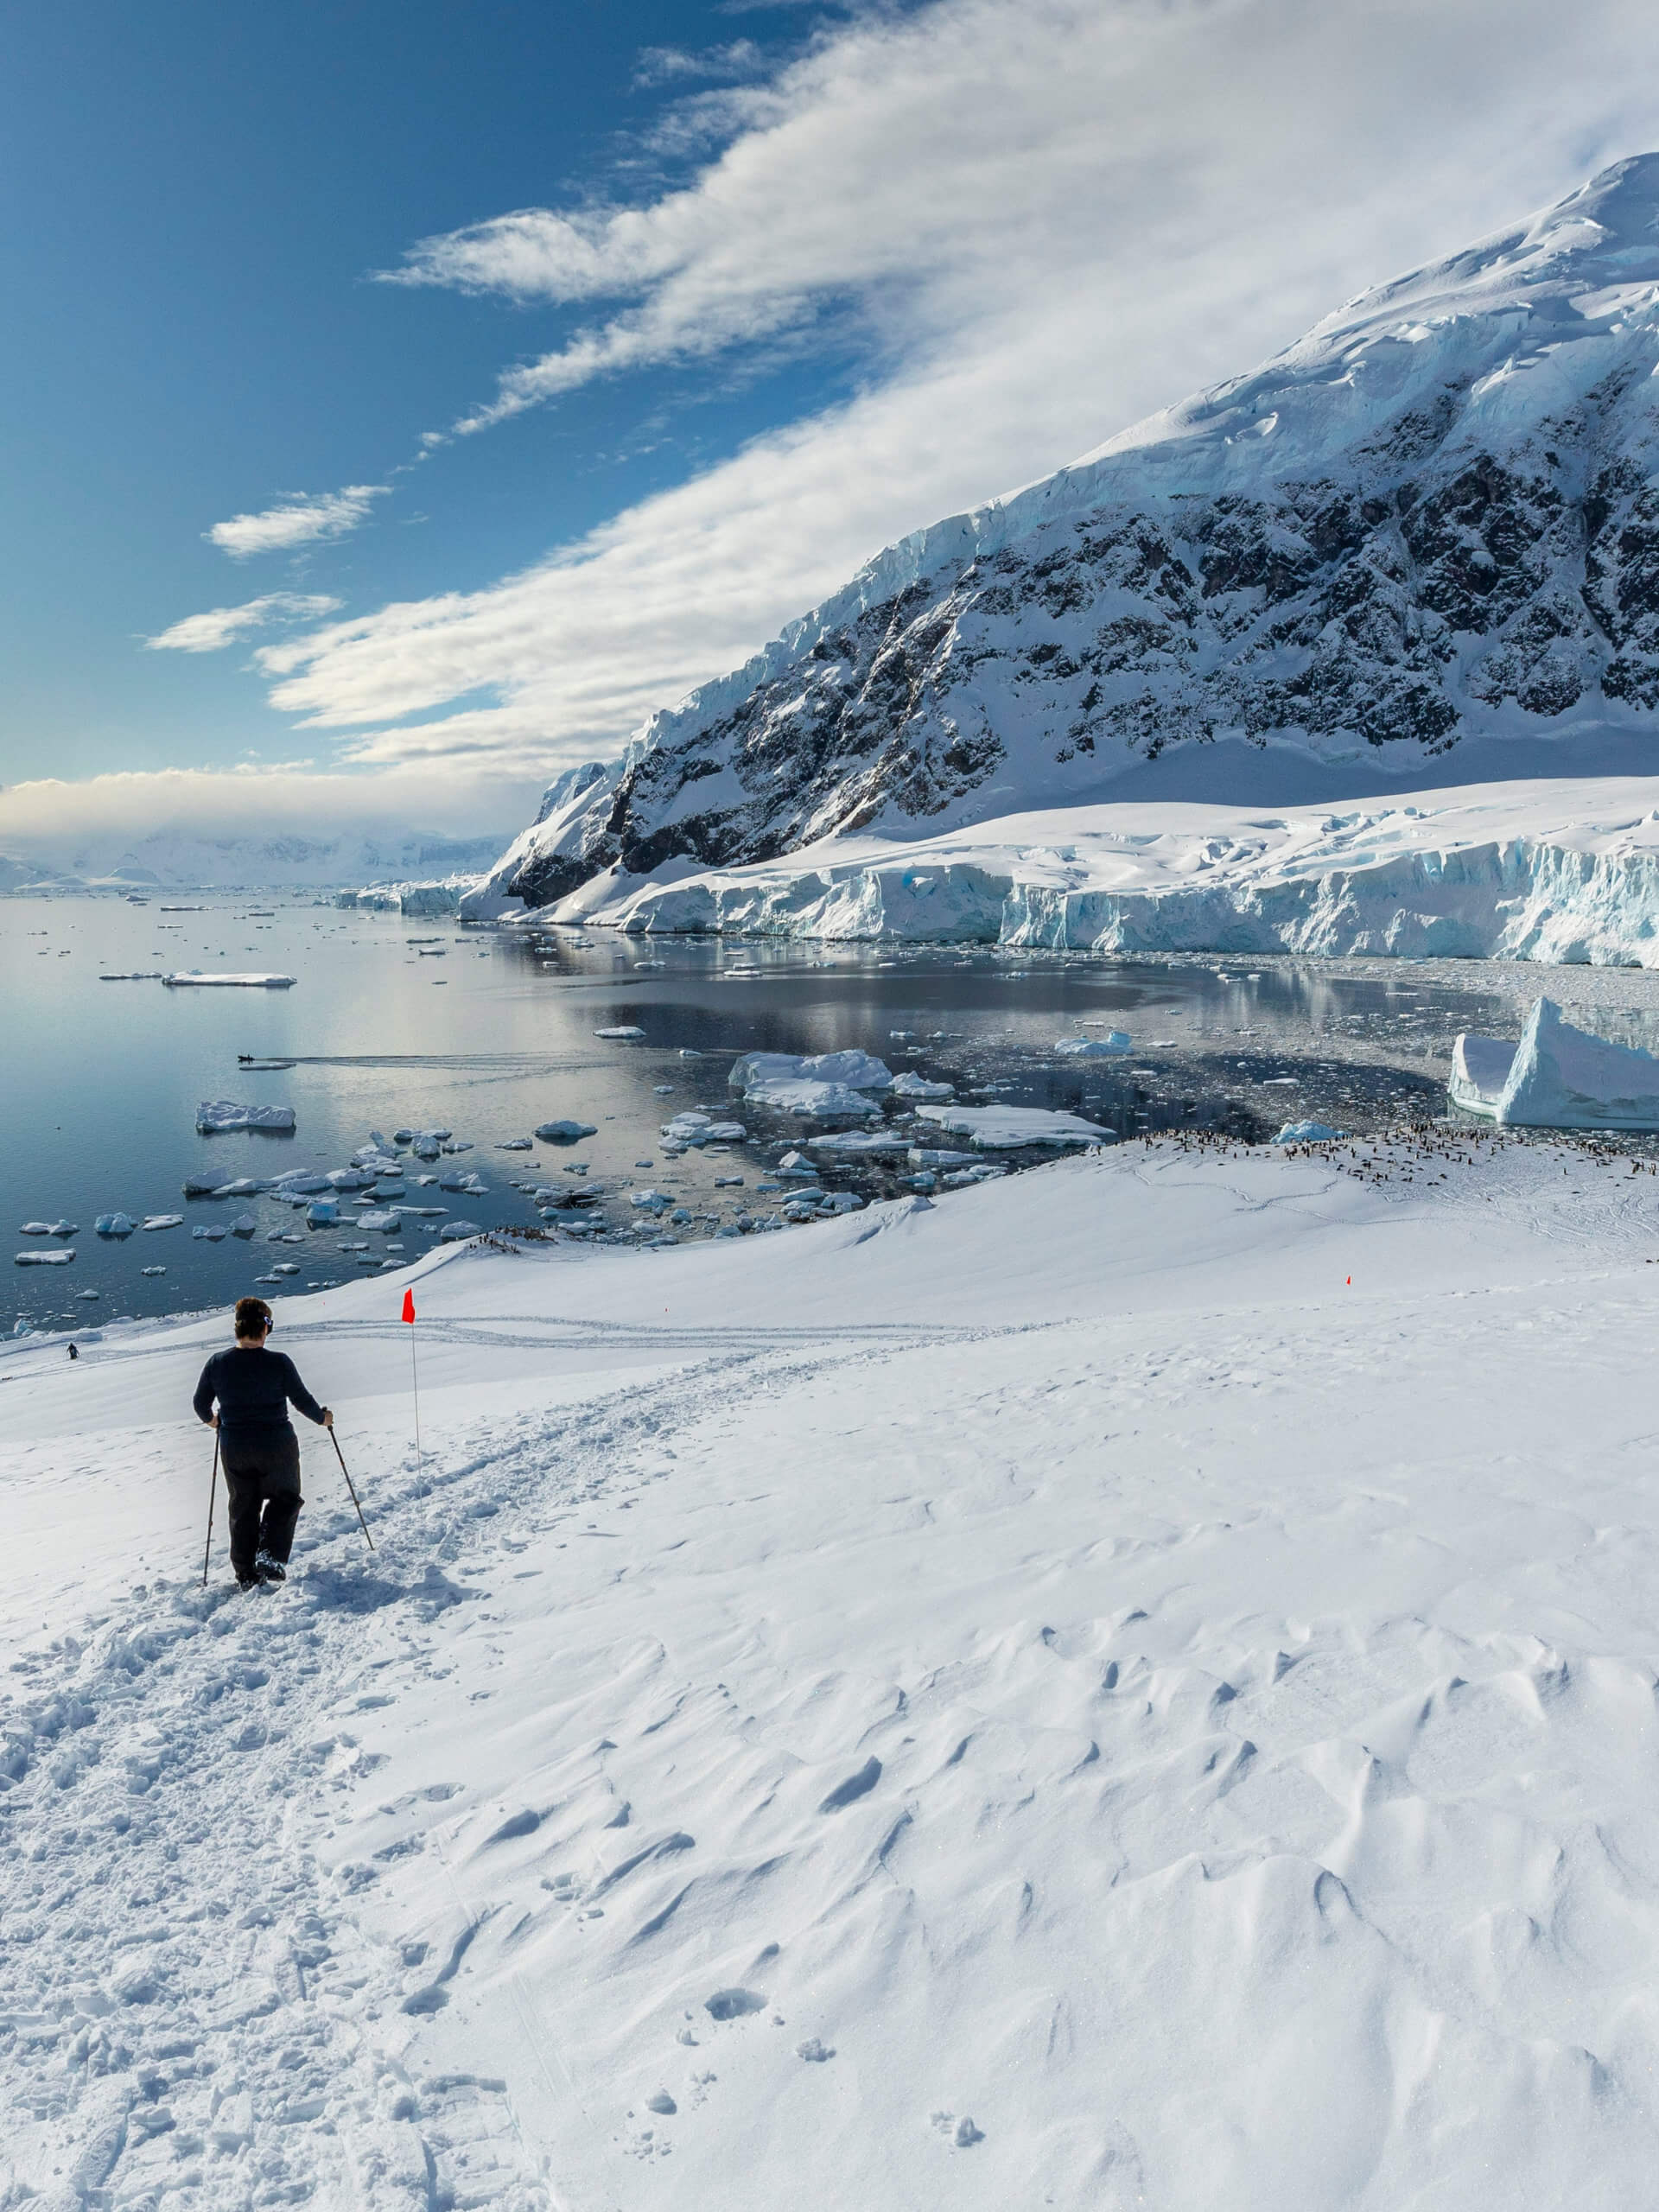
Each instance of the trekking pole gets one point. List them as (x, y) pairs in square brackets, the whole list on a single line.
[(350, 1485), (212, 1493)]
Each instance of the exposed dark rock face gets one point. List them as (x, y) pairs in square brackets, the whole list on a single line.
[(1380, 540)]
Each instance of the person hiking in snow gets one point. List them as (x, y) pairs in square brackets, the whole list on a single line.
[(257, 1448)]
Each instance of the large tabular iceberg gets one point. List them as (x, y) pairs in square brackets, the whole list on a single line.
[(824, 1086), (1557, 1078), (215, 1115)]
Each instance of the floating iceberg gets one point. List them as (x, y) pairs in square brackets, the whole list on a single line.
[(162, 1221), (625, 1034), (650, 1201), (453, 1232), (60, 1258), (377, 1221), (1307, 1133), (861, 1144), (244, 1225), (323, 1213), (853, 1070), (216, 1115), (194, 979), (1001, 1128), (910, 1085), (36, 1229), (209, 1233), (113, 1225), (1557, 1078), (816, 1102), (1093, 1048), (566, 1132), (136, 976)]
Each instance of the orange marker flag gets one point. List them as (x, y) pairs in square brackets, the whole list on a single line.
[(414, 1376)]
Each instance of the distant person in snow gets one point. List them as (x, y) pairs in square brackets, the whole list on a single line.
[(257, 1448)]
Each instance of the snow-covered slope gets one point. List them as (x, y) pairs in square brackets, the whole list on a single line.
[(1431, 519), (182, 860), (1132, 1688), (1540, 870)]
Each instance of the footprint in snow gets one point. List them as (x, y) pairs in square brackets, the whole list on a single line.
[(732, 2004)]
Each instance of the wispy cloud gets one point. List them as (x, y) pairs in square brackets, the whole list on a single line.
[(299, 520), (668, 65), (223, 626)]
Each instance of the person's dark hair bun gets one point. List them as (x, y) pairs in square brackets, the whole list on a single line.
[(253, 1317)]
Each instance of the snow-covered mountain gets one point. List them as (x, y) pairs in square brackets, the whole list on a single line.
[(1434, 518), (177, 859)]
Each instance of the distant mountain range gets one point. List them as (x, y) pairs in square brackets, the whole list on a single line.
[(177, 860), (1436, 518)]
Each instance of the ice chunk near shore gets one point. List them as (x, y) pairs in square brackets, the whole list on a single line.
[(912, 1085), (454, 1231), (566, 1132), (217, 1114), (1093, 1048), (113, 1225), (194, 979), (1001, 1128), (861, 1144), (1557, 1078), (811, 1101), (853, 1070), (624, 1034), (1307, 1133)]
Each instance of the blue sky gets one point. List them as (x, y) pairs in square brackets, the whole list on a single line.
[(402, 400)]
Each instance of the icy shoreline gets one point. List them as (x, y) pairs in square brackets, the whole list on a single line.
[(1563, 871)]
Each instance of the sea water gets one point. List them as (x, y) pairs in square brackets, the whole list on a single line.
[(395, 1024)]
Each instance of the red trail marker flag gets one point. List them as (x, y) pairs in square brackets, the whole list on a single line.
[(414, 1373)]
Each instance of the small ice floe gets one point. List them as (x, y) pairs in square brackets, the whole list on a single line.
[(244, 1225), (454, 1231), (349, 1179), (1307, 1133), (1001, 1128), (725, 1133), (626, 1033), (244, 1187), (214, 1115), (687, 1053), (650, 1201), (152, 1271), (566, 1132), (455, 1179), (688, 1129), (928, 1156), (912, 1085), (210, 1233), (1557, 1078), (261, 1067), (377, 1223), (133, 975), (162, 1221), (322, 1213), (192, 979), (861, 1144), (1093, 1048), (36, 1229), (64, 1229), (983, 1172), (663, 1089), (515, 1144), (113, 1225), (59, 1259)]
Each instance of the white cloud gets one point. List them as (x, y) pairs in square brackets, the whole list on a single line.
[(1040, 221), (300, 520), (223, 626), (667, 64)]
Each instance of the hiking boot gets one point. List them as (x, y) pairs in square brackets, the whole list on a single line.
[(269, 1569), (249, 1581)]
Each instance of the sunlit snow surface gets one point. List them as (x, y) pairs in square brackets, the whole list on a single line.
[(1133, 1685)]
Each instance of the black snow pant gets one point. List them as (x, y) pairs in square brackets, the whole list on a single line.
[(262, 1480)]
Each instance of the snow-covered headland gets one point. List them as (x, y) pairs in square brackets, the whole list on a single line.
[(1415, 547), (1132, 1685)]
